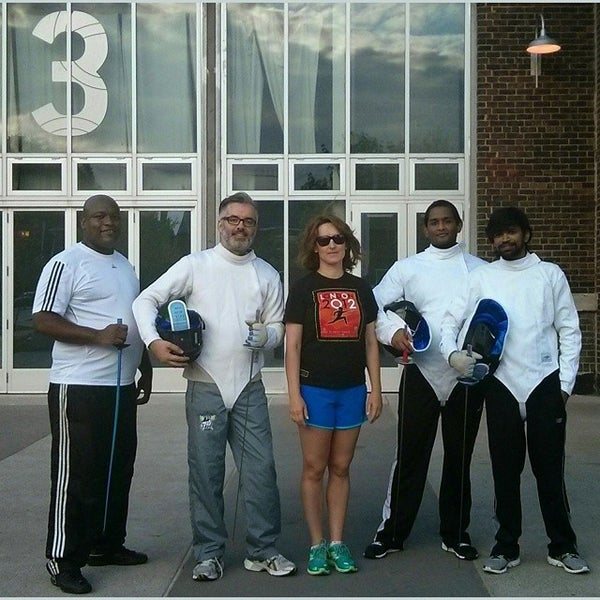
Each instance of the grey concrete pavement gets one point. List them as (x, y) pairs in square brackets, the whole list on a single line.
[(159, 521)]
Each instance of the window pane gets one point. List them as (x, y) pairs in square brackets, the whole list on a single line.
[(255, 101), (164, 238), (38, 236), (300, 211), (268, 244), (379, 242), (102, 96), (422, 241), (255, 177), (36, 101), (166, 176), (166, 77), (377, 78), (316, 177), (101, 176), (36, 176), (316, 78), (437, 59), (436, 176), (377, 177)]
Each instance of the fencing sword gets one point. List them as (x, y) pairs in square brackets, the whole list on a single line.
[(404, 360), (467, 382), (250, 375), (114, 432)]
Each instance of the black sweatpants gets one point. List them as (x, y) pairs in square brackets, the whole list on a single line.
[(546, 420), (81, 423), (418, 414)]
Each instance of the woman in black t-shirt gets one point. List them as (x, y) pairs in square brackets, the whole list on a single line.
[(330, 339)]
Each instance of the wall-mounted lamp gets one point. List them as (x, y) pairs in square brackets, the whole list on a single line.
[(542, 44)]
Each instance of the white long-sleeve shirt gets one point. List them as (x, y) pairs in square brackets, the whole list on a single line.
[(429, 279), (543, 331), (226, 290)]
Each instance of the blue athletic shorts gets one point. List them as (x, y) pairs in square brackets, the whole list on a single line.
[(335, 408)]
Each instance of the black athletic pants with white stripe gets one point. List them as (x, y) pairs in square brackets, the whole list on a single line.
[(417, 429), (543, 434), (81, 423)]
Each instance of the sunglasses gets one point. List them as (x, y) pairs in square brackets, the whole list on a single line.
[(338, 238)]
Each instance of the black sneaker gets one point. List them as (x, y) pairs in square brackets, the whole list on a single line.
[(121, 556), (380, 549), (70, 581), (463, 550)]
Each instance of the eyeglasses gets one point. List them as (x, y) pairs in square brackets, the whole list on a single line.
[(338, 238), (233, 220)]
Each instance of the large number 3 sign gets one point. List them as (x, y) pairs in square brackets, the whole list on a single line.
[(84, 72)]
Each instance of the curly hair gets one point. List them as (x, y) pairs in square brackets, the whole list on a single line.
[(309, 259)]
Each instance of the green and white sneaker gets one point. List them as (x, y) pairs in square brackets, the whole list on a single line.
[(339, 556), (317, 559)]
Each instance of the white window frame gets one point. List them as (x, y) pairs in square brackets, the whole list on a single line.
[(101, 160), (157, 160), (438, 160), (31, 160), (330, 160), (261, 159), (367, 160)]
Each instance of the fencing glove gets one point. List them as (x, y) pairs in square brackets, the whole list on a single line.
[(463, 362), (257, 335)]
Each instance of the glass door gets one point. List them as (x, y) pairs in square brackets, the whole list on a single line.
[(381, 228), (36, 237)]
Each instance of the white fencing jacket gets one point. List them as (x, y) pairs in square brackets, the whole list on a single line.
[(226, 290), (543, 331), (429, 279)]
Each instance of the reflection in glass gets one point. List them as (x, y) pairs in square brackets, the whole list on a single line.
[(101, 176), (436, 176), (437, 77), (165, 237), (260, 177), (113, 133), (166, 176), (377, 60), (316, 78), (36, 176), (38, 236), (300, 211), (379, 243), (268, 244), (166, 77), (255, 102), (377, 177), (30, 83), (422, 241), (316, 176)]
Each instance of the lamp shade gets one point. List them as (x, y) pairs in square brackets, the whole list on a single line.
[(543, 43)]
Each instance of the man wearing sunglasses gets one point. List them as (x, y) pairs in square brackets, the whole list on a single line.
[(240, 299), (428, 390)]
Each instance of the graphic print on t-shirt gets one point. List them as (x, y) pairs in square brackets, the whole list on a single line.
[(338, 314)]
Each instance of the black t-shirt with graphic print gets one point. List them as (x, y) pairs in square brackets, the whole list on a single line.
[(333, 314)]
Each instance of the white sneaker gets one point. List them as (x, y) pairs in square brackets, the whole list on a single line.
[(208, 570), (570, 562), (278, 565), (500, 564)]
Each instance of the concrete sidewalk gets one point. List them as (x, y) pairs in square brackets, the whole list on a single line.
[(159, 518)]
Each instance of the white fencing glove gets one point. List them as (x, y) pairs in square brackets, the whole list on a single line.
[(257, 335), (463, 362)]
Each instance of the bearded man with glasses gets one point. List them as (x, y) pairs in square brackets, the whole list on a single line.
[(240, 299)]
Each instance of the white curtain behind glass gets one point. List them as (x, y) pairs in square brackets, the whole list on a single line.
[(305, 26)]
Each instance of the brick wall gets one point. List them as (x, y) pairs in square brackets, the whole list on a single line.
[(536, 148)]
